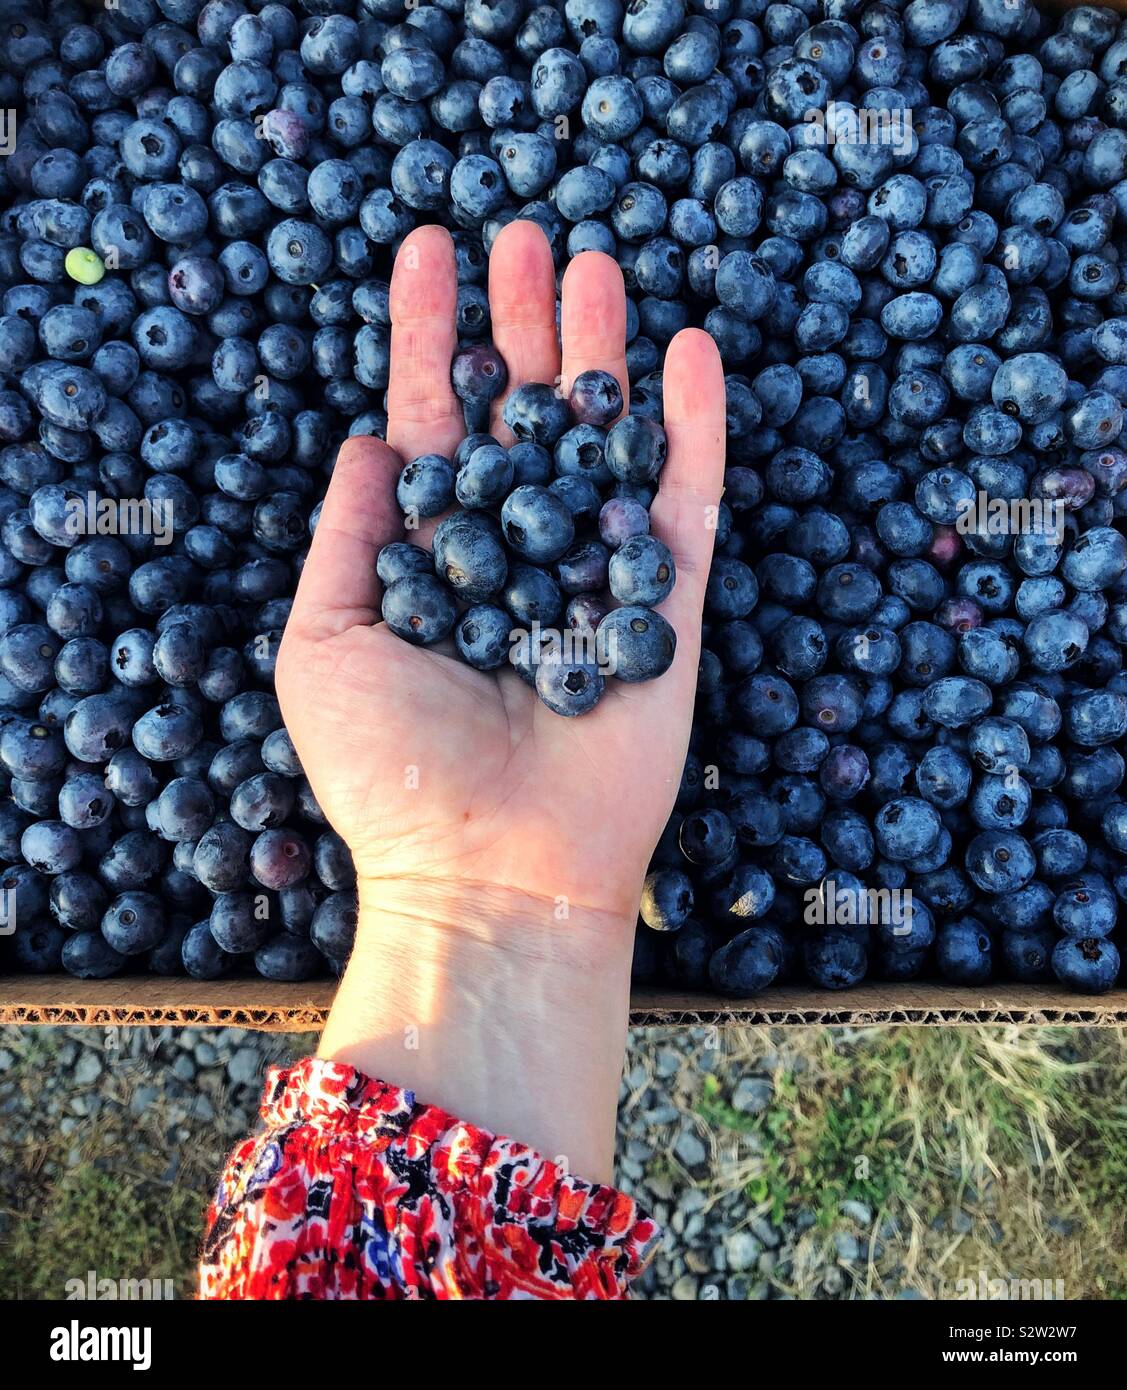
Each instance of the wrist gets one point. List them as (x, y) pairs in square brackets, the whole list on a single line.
[(505, 1008), (462, 921)]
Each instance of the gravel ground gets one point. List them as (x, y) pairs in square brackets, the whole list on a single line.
[(142, 1117)]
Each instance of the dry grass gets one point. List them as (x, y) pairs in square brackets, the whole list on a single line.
[(1026, 1128)]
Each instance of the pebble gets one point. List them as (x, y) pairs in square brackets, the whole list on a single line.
[(685, 1289), (668, 1062), (742, 1250), (857, 1211), (244, 1067), (691, 1199), (183, 1069), (661, 1185), (205, 1054), (690, 1150), (752, 1095), (142, 1098), (88, 1070), (762, 1229), (7, 1061), (848, 1246)]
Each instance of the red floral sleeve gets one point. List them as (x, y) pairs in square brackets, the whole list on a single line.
[(356, 1191)]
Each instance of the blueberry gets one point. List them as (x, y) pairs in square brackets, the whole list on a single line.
[(1000, 861), (299, 252), (419, 608), (1085, 908), (279, 858), (334, 926), (133, 923), (707, 837), (964, 952), (1087, 964), (595, 398), (287, 957), (202, 956), (89, 956), (221, 857), (485, 478), (167, 732), (667, 900), (583, 568), (747, 895), (536, 524), (478, 374), (642, 572), (536, 413), (470, 559), (635, 644), (748, 963), (426, 486), (569, 686), (52, 847), (620, 520), (398, 559), (835, 961), (78, 901)]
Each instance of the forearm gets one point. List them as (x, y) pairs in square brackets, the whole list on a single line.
[(494, 1007)]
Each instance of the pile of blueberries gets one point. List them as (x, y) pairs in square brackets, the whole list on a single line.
[(902, 223), (523, 510)]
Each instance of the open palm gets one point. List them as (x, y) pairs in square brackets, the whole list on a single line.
[(433, 772)]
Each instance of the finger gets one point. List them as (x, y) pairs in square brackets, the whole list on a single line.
[(338, 587), (684, 511), (522, 305), (594, 319), (423, 414)]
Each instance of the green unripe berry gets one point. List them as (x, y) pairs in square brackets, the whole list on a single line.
[(84, 265)]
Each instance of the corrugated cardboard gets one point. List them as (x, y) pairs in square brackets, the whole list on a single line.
[(256, 1003)]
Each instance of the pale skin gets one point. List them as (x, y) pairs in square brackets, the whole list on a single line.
[(500, 848)]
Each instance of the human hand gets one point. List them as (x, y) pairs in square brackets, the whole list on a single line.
[(500, 849), (444, 778)]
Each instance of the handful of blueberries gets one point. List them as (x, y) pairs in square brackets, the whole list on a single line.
[(904, 223), (522, 553)]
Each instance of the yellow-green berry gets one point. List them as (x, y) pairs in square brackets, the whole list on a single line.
[(84, 265)]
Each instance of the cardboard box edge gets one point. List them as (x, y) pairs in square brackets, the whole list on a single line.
[(269, 1006)]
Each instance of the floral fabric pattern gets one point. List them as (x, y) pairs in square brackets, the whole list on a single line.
[(356, 1191)]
